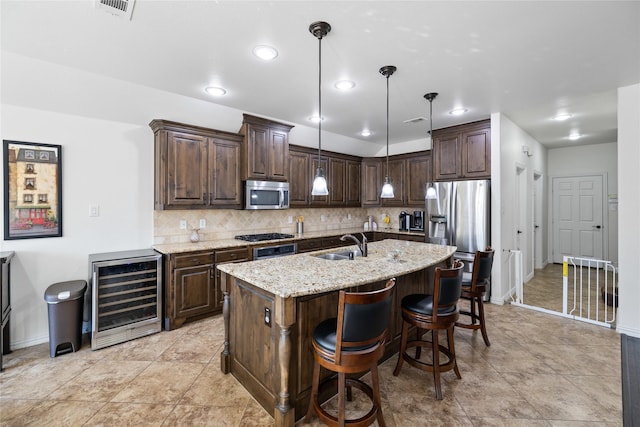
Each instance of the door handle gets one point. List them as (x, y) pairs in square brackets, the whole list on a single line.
[(597, 226), (519, 232)]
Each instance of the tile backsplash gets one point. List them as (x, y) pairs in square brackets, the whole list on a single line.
[(227, 223)]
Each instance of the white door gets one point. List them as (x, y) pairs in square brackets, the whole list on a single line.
[(521, 231), (537, 220), (577, 217)]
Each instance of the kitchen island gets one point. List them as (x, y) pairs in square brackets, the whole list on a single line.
[(272, 306)]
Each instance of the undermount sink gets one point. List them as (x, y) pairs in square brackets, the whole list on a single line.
[(339, 256)]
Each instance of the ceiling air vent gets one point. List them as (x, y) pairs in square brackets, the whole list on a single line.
[(415, 120), (121, 8)]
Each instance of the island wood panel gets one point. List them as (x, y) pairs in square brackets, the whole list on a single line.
[(253, 343), (311, 311), (253, 346)]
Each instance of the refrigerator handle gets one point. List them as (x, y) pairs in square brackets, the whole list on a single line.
[(453, 217)]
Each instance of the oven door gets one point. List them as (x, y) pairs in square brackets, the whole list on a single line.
[(274, 251)]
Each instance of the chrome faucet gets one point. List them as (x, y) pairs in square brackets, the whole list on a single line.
[(362, 246)]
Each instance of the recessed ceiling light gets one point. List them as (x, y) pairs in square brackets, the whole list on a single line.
[(215, 91), (264, 52), (345, 85), (574, 136), (562, 117), (315, 119), (365, 132), (458, 111)]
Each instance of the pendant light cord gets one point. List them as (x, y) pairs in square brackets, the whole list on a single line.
[(431, 134), (387, 125), (319, 97)]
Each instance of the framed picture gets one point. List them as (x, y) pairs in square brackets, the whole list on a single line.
[(32, 190)]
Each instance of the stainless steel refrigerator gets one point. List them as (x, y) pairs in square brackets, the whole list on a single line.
[(460, 216)]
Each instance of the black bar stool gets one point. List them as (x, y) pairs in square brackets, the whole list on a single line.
[(474, 291), (352, 343), (433, 313)]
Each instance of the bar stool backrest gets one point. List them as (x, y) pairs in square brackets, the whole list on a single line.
[(363, 319)]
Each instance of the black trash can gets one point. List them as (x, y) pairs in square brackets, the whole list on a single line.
[(65, 301)]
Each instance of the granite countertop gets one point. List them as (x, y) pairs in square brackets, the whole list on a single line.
[(173, 248), (306, 274)]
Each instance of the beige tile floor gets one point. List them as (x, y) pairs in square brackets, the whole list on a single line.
[(541, 370)]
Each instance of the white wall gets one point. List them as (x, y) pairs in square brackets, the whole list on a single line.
[(107, 159), (104, 163), (509, 139), (599, 159), (628, 209)]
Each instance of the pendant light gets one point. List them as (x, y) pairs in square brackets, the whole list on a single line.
[(431, 189), (387, 188), (319, 29)]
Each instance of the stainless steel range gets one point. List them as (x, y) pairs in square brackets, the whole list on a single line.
[(264, 236), (270, 251)]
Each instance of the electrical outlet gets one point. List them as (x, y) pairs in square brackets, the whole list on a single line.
[(290, 219), (267, 316), (323, 218), (349, 217), (203, 223), (94, 210), (183, 224)]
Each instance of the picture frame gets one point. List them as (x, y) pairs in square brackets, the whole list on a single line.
[(32, 190)]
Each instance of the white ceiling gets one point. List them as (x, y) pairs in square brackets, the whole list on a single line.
[(528, 60)]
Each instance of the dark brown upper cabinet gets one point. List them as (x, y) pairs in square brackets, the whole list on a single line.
[(409, 174), (418, 173), (462, 152), (265, 150), (299, 178), (353, 183), (341, 171), (396, 174), (371, 181), (195, 167)]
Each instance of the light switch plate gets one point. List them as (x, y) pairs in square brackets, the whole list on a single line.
[(203, 223), (94, 210), (183, 224)]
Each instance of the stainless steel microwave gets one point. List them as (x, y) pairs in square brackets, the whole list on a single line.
[(266, 195)]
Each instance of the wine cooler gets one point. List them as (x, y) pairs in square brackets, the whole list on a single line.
[(126, 296)]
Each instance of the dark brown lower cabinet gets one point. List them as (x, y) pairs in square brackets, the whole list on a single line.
[(192, 290)]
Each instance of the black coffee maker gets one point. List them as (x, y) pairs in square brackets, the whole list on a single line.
[(417, 221), (404, 221)]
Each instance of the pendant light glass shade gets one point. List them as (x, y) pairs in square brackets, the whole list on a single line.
[(319, 30), (387, 188), (319, 184), (431, 190)]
